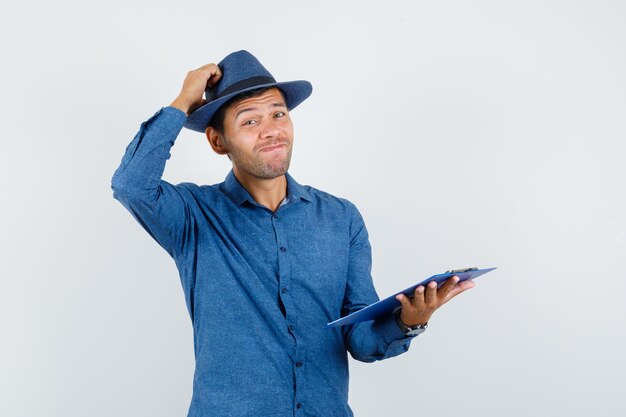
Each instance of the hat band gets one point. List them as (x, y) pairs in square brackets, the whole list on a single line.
[(243, 84)]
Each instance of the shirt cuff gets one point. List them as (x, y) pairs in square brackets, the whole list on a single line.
[(172, 109), (390, 330)]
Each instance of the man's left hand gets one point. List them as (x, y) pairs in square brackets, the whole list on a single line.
[(426, 300)]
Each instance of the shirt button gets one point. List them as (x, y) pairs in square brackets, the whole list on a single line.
[(283, 249), (298, 364), (291, 327), (298, 405), (275, 215), (284, 290)]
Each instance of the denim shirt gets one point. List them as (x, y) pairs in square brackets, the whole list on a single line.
[(260, 286)]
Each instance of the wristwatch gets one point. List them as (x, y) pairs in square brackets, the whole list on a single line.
[(410, 330)]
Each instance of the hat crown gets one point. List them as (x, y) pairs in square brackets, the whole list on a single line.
[(240, 70)]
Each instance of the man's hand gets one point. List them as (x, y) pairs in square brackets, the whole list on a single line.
[(427, 300), (190, 97)]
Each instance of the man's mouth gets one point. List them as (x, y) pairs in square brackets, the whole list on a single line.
[(272, 148)]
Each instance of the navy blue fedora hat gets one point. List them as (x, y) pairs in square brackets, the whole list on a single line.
[(241, 71)]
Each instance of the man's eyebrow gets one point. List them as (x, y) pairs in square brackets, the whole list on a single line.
[(245, 109)]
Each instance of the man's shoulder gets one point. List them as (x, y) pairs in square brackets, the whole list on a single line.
[(192, 189), (325, 197)]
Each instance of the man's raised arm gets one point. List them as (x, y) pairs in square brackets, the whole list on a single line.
[(157, 205)]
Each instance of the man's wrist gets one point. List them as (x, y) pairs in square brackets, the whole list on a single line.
[(420, 321), (181, 105), (413, 330)]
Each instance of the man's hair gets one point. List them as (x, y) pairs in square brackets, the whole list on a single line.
[(217, 121)]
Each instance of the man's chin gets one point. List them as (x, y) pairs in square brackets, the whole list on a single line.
[(266, 171), (275, 172), (268, 175)]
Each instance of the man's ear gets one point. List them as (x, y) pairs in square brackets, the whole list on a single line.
[(216, 141)]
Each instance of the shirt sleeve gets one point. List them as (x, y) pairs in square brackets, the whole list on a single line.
[(372, 340), (158, 206)]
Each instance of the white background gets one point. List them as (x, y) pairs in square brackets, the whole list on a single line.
[(468, 133)]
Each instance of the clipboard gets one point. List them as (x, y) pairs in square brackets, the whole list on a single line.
[(390, 305)]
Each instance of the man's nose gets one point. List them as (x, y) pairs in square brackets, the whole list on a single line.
[(269, 127)]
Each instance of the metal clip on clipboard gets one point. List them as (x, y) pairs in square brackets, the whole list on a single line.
[(456, 271)]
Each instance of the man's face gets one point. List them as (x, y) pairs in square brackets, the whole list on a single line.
[(258, 135)]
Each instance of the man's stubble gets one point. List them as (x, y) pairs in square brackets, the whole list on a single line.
[(258, 167)]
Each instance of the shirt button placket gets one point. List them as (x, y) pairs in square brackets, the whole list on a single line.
[(284, 279), (283, 271)]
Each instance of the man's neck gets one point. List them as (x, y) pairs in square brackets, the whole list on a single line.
[(267, 192)]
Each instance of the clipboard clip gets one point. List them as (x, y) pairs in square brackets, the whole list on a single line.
[(456, 271)]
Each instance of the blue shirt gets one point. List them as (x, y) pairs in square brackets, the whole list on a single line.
[(260, 286)]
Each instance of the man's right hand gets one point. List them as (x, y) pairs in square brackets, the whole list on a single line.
[(196, 82)]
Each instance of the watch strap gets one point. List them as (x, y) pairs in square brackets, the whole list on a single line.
[(410, 330)]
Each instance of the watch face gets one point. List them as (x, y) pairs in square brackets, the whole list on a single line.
[(414, 332)]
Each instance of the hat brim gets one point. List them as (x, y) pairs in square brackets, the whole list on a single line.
[(295, 93)]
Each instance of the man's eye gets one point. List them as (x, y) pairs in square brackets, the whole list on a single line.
[(280, 114), (249, 122)]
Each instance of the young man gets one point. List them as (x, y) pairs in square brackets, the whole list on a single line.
[(264, 262)]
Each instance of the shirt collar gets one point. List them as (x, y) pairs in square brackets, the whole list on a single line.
[(238, 194)]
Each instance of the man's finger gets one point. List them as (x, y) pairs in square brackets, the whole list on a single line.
[(447, 286), (418, 296), (211, 72), (404, 300), (460, 287), (215, 76), (430, 295), (211, 67)]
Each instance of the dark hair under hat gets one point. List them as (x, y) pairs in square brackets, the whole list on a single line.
[(241, 71)]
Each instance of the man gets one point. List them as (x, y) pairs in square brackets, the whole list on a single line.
[(264, 262)]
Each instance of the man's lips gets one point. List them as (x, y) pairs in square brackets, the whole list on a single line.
[(272, 148)]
